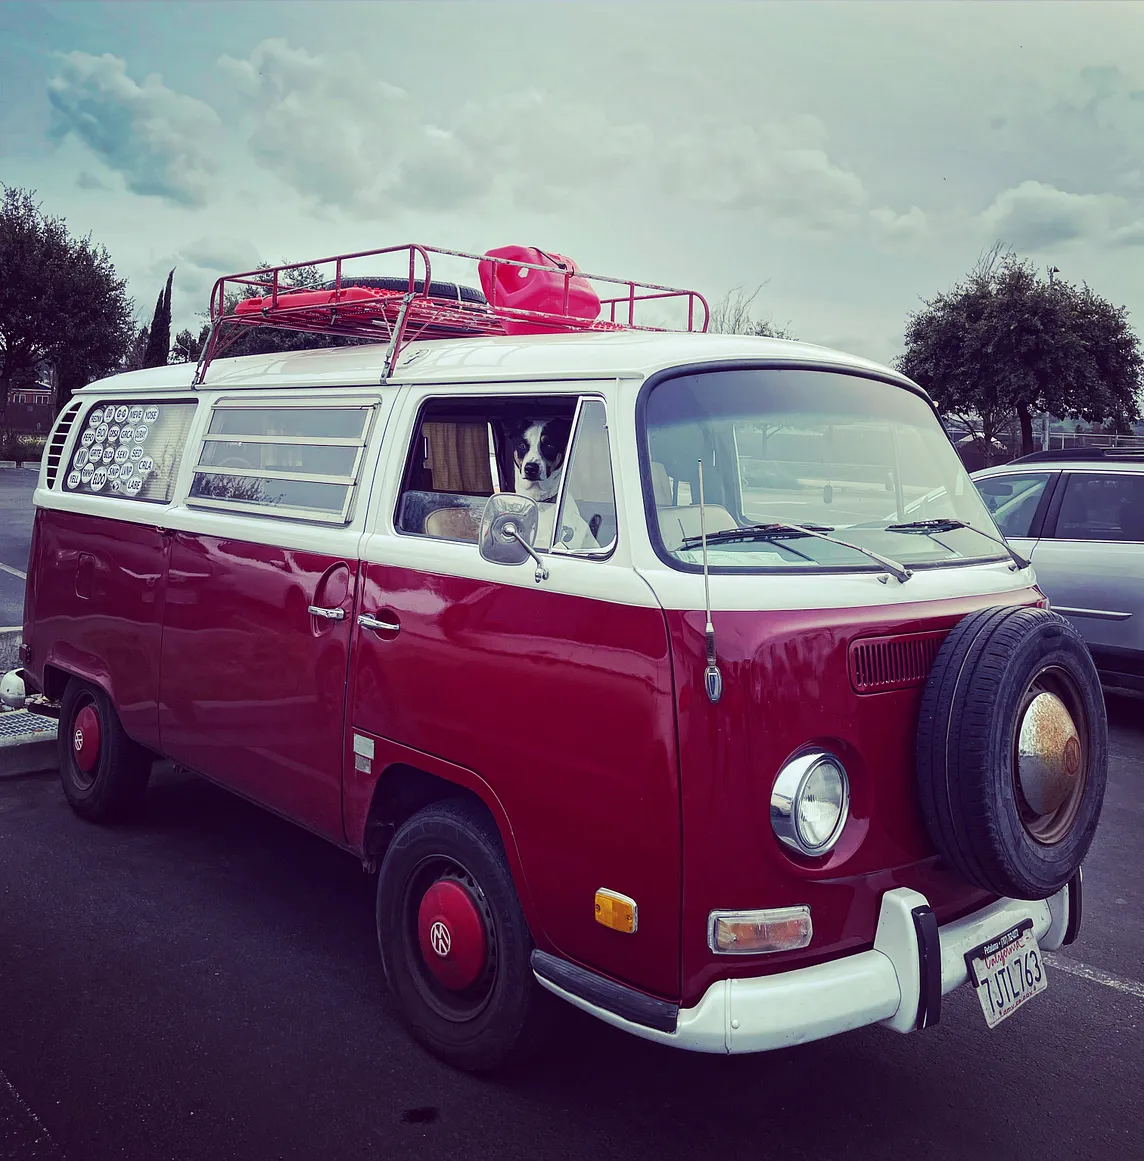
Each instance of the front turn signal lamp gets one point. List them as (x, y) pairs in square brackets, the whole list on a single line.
[(756, 932)]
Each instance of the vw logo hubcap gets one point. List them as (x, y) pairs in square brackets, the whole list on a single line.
[(439, 939)]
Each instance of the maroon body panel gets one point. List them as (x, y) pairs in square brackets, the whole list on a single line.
[(253, 686), (95, 609), (787, 687), (564, 705)]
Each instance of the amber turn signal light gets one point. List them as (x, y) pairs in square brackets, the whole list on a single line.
[(616, 911), (756, 932)]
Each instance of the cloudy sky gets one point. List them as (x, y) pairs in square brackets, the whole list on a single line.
[(851, 158)]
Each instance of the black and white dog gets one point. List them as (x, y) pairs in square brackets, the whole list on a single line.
[(538, 450)]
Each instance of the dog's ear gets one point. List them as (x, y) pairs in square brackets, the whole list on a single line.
[(556, 435)]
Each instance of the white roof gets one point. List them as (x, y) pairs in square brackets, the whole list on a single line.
[(618, 354)]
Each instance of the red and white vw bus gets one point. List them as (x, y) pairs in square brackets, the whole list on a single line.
[(746, 729)]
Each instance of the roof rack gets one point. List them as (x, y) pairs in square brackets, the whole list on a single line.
[(412, 306), (1083, 453)]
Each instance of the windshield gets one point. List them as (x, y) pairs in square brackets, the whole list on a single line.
[(861, 459)]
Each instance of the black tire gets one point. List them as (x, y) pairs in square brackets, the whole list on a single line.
[(974, 791), (114, 786), (499, 1019), (451, 290)]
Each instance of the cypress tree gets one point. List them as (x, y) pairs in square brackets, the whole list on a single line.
[(159, 337)]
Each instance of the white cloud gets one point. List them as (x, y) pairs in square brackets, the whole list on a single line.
[(1132, 235), (156, 138), (1033, 216), (897, 227)]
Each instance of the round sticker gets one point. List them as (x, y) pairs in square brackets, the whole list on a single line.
[(73, 480), (86, 474), (150, 415), (108, 455), (146, 464), (80, 458), (133, 485), (94, 452), (88, 438), (135, 414), (121, 412), (114, 486), (121, 453), (101, 432), (98, 479), (113, 472), (126, 435), (137, 452), (140, 433), (112, 434), (95, 416)]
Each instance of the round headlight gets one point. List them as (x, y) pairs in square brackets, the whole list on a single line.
[(809, 803)]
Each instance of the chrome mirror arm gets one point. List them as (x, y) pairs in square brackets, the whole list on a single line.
[(509, 529)]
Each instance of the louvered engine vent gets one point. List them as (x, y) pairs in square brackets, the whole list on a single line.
[(59, 438), (878, 664)]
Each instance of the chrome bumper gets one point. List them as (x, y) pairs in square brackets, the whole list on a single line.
[(898, 983)]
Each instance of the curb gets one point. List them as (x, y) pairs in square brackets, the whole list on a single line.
[(27, 744), (9, 644)]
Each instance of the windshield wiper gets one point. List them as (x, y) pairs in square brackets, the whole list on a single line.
[(932, 527), (777, 529)]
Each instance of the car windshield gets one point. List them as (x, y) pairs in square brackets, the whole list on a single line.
[(862, 460)]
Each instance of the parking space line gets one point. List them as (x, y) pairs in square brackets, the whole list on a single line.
[(22, 1104), (14, 571), (1072, 968), (11, 628)]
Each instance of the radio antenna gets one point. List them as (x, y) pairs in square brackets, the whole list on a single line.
[(712, 678)]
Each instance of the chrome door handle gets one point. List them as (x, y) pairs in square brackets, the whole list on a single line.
[(368, 622), (334, 614)]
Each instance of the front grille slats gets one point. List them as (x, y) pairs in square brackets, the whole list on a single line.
[(900, 661)]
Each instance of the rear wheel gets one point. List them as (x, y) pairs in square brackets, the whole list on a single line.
[(104, 773), (454, 941)]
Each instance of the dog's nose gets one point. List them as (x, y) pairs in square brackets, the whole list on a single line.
[(532, 471)]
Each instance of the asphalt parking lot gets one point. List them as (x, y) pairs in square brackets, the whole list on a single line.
[(204, 983), (16, 488)]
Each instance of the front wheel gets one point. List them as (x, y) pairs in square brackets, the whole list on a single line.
[(104, 773), (454, 941)]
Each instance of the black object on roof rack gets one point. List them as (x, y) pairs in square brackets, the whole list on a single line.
[(1083, 453), (520, 296)]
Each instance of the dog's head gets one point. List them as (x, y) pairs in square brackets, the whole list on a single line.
[(538, 450)]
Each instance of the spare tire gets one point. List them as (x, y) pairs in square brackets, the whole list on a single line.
[(1012, 751)]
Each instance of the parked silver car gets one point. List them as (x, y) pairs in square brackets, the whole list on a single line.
[(1079, 515)]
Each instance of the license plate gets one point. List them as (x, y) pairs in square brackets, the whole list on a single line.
[(1007, 971)]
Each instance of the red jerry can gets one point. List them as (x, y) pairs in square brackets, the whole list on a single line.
[(511, 288)]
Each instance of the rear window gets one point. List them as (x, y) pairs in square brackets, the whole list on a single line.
[(299, 463), (130, 450)]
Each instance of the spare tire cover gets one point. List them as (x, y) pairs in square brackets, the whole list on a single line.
[(1012, 751)]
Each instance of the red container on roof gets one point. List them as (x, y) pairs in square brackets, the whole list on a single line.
[(558, 291)]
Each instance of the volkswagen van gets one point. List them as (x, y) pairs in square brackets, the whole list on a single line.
[(756, 731)]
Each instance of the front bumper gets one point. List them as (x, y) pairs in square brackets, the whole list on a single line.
[(898, 983)]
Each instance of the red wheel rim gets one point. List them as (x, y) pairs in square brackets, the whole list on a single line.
[(86, 739), (451, 932)]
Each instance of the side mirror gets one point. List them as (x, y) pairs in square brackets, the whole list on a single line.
[(508, 529)]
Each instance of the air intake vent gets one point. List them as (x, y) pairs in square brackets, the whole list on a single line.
[(59, 438), (878, 664)]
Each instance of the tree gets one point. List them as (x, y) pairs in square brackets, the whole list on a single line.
[(733, 315), (188, 347), (61, 301), (1005, 344), (159, 334)]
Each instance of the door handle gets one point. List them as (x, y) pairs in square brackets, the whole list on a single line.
[(368, 622), (334, 614)]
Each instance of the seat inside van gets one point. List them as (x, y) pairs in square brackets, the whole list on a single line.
[(678, 521)]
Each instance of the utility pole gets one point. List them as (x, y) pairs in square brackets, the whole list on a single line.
[(1053, 270)]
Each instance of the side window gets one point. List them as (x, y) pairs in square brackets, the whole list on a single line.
[(1099, 506), (465, 450), (1012, 500), (130, 450), (301, 463), (586, 523)]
